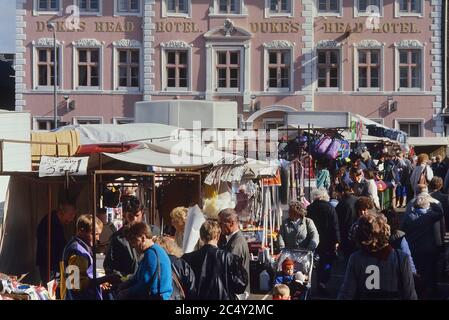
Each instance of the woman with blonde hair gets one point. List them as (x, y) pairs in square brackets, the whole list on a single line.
[(422, 174), (178, 220), (377, 271), (183, 274)]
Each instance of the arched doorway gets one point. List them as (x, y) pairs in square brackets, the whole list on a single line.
[(272, 113)]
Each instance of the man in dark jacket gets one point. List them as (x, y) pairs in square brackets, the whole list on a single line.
[(120, 257), (347, 215), (359, 184), (233, 241), (219, 275), (64, 216), (421, 234), (326, 222), (435, 186)]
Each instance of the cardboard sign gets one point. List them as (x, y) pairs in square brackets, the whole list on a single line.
[(53, 167)]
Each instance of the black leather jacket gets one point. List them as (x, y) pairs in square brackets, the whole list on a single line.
[(120, 257), (186, 277), (219, 274)]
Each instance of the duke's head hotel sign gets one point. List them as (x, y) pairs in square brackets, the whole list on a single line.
[(358, 27), (108, 26), (256, 27)]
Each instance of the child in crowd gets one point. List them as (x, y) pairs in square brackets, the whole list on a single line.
[(288, 270), (281, 292)]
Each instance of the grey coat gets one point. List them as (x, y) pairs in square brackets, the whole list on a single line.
[(239, 246), (357, 273), (301, 234)]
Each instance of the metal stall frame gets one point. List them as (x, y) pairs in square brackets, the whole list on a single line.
[(100, 173)]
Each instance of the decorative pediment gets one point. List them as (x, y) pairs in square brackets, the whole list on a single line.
[(175, 44), (87, 43), (409, 44), (369, 44), (228, 32), (127, 43), (279, 44), (46, 42), (328, 44)]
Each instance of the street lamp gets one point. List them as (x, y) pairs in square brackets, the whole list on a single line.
[(52, 26)]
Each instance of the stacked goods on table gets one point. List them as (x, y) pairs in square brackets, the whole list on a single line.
[(12, 289)]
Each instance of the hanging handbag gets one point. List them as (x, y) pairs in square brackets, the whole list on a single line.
[(332, 150), (381, 186), (323, 145)]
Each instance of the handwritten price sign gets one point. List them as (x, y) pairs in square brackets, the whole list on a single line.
[(53, 167)]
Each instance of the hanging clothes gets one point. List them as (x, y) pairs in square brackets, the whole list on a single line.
[(285, 182)]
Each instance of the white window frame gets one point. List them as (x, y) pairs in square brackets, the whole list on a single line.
[(126, 44), (378, 120), (117, 13), (88, 118), (341, 82), (398, 121), (271, 120), (214, 10), (375, 46), (290, 14), (165, 13), (329, 14), (43, 118), (47, 43), (175, 45), (99, 13), (398, 13), (358, 13), (37, 12), (87, 44), (276, 45), (409, 45), (115, 120)]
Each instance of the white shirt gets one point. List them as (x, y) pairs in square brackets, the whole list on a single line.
[(230, 236)]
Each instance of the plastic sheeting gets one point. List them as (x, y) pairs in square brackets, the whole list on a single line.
[(195, 219), (26, 204), (110, 133)]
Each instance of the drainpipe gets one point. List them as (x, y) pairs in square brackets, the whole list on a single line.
[(444, 34)]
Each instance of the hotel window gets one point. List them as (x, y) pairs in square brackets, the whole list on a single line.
[(48, 5), (413, 129), (410, 68), (228, 6), (278, 69), (369, 68), (228, 69), (45, 67), (128, 6), (410, 6), (329, 6), (280, 6), (128, 67), (120, 120), (328, 68), (365, 7), (177, 69), (177, 6), (88, 120), (89, 6), (88, 67)]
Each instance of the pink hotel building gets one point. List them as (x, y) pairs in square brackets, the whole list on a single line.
[(271, 56)]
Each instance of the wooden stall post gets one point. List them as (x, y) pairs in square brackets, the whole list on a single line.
[(94, 227), (49, 234)]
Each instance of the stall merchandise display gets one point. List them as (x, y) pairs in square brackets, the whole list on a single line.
[(11, 289)]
